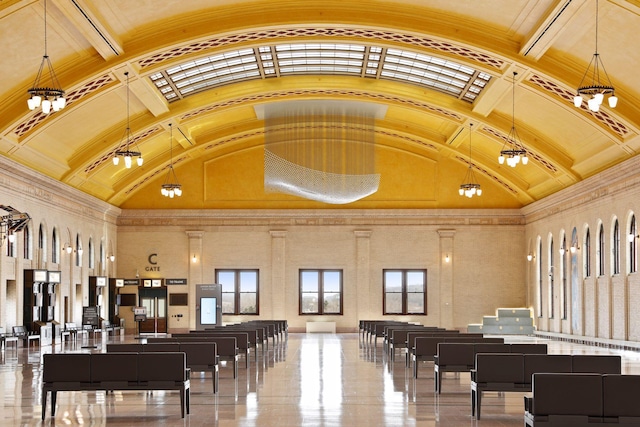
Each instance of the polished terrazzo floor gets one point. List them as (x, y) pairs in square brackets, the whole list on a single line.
[(307, 380)]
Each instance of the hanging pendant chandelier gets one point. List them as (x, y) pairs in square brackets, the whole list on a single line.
[(171, 187), (470, 186), (516, 153), (46, 95), (127, 154), (595, 83)]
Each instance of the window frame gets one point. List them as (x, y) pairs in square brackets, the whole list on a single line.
[(633, 247), (320, 292), (404, 292), (615, 248), (601, 257), (237, 293), (587, 254)]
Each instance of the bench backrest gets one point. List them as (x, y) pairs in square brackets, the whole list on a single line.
[(68, 367), (528, 348), (620, 394), (162, 367), (458, 354), (128, 348), (114, 368), (160, 347), (200, 353), (548, 363), (600, 364), (567, 394), (242, 338), (499, 368)]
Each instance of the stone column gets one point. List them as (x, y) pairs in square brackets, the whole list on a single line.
[(279, 296), (446, 258), (195, 272), (365, 297)]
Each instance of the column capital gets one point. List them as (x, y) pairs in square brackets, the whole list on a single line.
[(446, 233), (363, 233), (278, 233), (195, 234)]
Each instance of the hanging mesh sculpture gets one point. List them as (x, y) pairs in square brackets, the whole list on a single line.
[(320, 152)]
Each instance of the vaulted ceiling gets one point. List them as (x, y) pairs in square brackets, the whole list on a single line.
[(208, 67)]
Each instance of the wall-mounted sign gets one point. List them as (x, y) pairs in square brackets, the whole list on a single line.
[(54, 277), (101, 281), (146, 283), (131, 282), (119, 283), (175, 282), (39, 275), (156, 283)]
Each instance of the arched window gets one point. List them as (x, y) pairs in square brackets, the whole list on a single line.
[(633, 248), (601, 251), (615, 248), (551, 270), (26, 242), (540, 275), (92, 257), (563, 279), (55, 247), (78, 251), (11, 245), (42, 244), (587, 254)]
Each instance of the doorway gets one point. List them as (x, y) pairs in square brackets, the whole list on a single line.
[(155, 301)]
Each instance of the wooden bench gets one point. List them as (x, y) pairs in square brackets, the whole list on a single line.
[(226, 347), (201, 356), (242, 340), (508, 372), (461, 356), (582, 399), (114, 371), (411, 342), (426, 347)]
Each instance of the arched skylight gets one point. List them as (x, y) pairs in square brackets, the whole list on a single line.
[(280, 60)]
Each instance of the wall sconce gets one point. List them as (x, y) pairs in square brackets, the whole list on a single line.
[(574, 248), (446, 258), (530, 257), (562, 251), (632, 236), (112, 257), (80, 250), (68, 248), (194, 259)]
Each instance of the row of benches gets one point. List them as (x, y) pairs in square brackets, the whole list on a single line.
[(579, 399), (461, 357), (508, 372)]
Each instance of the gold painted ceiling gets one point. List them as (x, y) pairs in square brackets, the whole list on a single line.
[(207, 67)]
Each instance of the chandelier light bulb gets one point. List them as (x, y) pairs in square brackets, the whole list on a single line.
[(577, 101), (127, 162), (613, 101), (501, 159), (116, 160), (178, 191), (525, 160), (599, 97), (46, 106), (479, 192)]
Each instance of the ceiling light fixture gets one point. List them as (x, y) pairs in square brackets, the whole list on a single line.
[(517, 152), (127, 154), (592, 86), (470, 186), (171, 187), (47, 97)]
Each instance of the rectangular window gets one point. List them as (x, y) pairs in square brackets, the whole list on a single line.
[(240, 291), (320, 292), (405, 291)]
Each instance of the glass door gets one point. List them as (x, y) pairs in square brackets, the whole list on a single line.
[(155, 301)]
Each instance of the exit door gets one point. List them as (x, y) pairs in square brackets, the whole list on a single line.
[(155, 301)]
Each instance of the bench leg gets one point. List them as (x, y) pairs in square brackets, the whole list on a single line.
[(44, 404), (415, 366), (54, 395)]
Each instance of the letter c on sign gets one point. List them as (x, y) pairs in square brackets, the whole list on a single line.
[(152, 259)]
